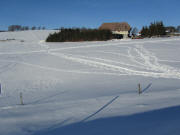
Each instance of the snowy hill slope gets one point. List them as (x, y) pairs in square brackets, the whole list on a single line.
[(31, 35), (70, 86)]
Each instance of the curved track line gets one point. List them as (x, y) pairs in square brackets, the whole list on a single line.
[(111, 67), (107, 60), (14, 53), (61, 70)]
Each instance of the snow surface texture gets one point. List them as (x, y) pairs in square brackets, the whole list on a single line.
[(88, 88)]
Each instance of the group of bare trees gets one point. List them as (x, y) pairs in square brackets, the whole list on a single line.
[(24, 28), (134, 32)]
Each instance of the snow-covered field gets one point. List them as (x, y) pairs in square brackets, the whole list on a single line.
[(89, 88)]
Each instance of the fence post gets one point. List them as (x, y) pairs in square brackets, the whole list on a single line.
[(21, 98), (0, 88), (139, 88)]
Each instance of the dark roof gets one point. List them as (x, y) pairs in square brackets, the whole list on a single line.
[(123, 26)]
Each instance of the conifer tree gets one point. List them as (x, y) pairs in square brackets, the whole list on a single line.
[(76, 34), (155, 29)]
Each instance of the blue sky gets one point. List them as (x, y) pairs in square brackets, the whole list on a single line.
[(88, 13)]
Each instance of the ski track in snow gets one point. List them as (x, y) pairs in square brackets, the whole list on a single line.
[(7, 67), (60, 70), (166, 71), (148, 61), (16, 53)]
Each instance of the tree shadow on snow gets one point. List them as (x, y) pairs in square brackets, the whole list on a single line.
[(145, 89), (159, 122)]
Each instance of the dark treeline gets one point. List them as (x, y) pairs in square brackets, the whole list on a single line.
[(23, 28), (155, 29), (80, 34)]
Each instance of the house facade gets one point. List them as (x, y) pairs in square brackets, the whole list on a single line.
[(120, 30)]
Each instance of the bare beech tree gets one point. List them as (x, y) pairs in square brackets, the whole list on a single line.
[(134, 31)]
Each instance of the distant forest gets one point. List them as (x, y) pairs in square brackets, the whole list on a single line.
[(79, 34), (24, 28)]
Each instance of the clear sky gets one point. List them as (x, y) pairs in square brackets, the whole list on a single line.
[(88, 13)]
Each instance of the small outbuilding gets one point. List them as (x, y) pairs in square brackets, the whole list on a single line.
[(120, 30)]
